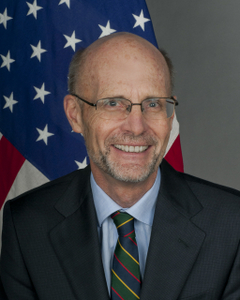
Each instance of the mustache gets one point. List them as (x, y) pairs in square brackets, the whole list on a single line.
[(124, 138)]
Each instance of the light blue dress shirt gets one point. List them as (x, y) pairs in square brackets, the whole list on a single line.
[(142, 211)]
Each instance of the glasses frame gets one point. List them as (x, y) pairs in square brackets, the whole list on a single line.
[(130, 109)]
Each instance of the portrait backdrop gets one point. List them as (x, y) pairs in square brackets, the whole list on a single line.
[(202, 38)]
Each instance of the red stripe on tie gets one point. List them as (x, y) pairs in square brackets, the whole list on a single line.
[(117, 213), (127, 269), (11, 161), (132, 241), (128, 233), (117, 293)]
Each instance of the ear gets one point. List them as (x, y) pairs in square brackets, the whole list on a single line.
[(73, 112), (172, 117)]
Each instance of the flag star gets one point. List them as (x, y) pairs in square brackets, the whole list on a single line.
[(9, 102), (71, 41), (7, 60), (82, 165), (44, 134), (4, 18), (33, 8), (67, 2), (37, 51), (140, 20), (106, 30), (41, 93)]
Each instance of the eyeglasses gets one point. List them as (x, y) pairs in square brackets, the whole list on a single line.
[(157, 108)]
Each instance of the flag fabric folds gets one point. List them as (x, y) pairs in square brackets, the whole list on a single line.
[(38, 39)]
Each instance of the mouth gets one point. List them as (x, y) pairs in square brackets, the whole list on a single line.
[(132, 149)]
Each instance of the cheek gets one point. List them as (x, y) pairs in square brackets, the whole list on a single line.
[(162, 130), (96, 130)]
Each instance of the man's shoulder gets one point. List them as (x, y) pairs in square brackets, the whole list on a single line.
[(199, 183), (207, 193), (214, 196)]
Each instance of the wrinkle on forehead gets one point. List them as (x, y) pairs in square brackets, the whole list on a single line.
[(106, 52)]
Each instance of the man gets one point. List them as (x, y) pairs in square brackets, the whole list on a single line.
[(59, 240)]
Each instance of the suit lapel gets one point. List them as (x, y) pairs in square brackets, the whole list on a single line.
[(175, 240), (76, 243)]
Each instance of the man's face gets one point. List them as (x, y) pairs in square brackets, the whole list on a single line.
[(131, 149)]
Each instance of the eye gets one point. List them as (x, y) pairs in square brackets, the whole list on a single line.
[(153, 104), (111, 102)]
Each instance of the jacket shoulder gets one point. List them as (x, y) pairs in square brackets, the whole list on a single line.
[(218, 198), (182, 186), (199, 183)]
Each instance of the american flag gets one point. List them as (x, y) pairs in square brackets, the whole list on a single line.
[(37, 40)]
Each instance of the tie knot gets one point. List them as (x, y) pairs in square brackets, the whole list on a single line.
[(124, 224)]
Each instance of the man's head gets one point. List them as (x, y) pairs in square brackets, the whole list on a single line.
[(80, 57), (126, 66)]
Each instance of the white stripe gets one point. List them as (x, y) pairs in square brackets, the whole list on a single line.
[(27, 178), (174, 133)]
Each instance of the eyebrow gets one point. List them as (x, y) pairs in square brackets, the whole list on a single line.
[(123, 97)]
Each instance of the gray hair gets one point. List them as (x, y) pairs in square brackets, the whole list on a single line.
[(75, 70), (170, 67)]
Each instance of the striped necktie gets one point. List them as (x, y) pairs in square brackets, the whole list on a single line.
[(125, 270)]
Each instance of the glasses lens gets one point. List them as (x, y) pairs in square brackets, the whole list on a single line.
[(113, 108), (158, 108)]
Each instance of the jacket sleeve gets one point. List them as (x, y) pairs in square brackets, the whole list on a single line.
[(232, 289), (16, 283)]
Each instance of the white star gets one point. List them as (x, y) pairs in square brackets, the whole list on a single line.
[(7, 60), (65, 1), (4, 18), (71, 41), (9, 102), (106, 30), (37, 51), (33, 8), (41, 93), (82, 165), (140, 20), (44, 134)]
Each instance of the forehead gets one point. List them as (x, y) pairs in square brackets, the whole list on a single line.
[(124, 63)]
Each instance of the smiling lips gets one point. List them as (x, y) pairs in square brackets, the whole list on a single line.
[(127, 148)]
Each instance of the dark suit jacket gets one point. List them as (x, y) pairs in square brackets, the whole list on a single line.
[(51, 246)]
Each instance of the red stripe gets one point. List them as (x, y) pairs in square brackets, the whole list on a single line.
[(11, 161), (174, 155), (117, 293), (132, 241), (128, 233), (126, 269), (117, 213)]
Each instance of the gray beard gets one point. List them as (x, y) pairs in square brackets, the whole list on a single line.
[(125, 173)]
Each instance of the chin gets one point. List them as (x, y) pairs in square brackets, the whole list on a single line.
[(130, 173)]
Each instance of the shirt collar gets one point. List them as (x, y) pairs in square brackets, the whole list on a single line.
[(143, 210)]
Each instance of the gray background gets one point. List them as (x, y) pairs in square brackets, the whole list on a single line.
[(203, 40)]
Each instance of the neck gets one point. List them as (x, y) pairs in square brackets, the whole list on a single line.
[(123, 193)]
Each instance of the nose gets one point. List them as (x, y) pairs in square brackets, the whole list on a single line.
[(135, 122)]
